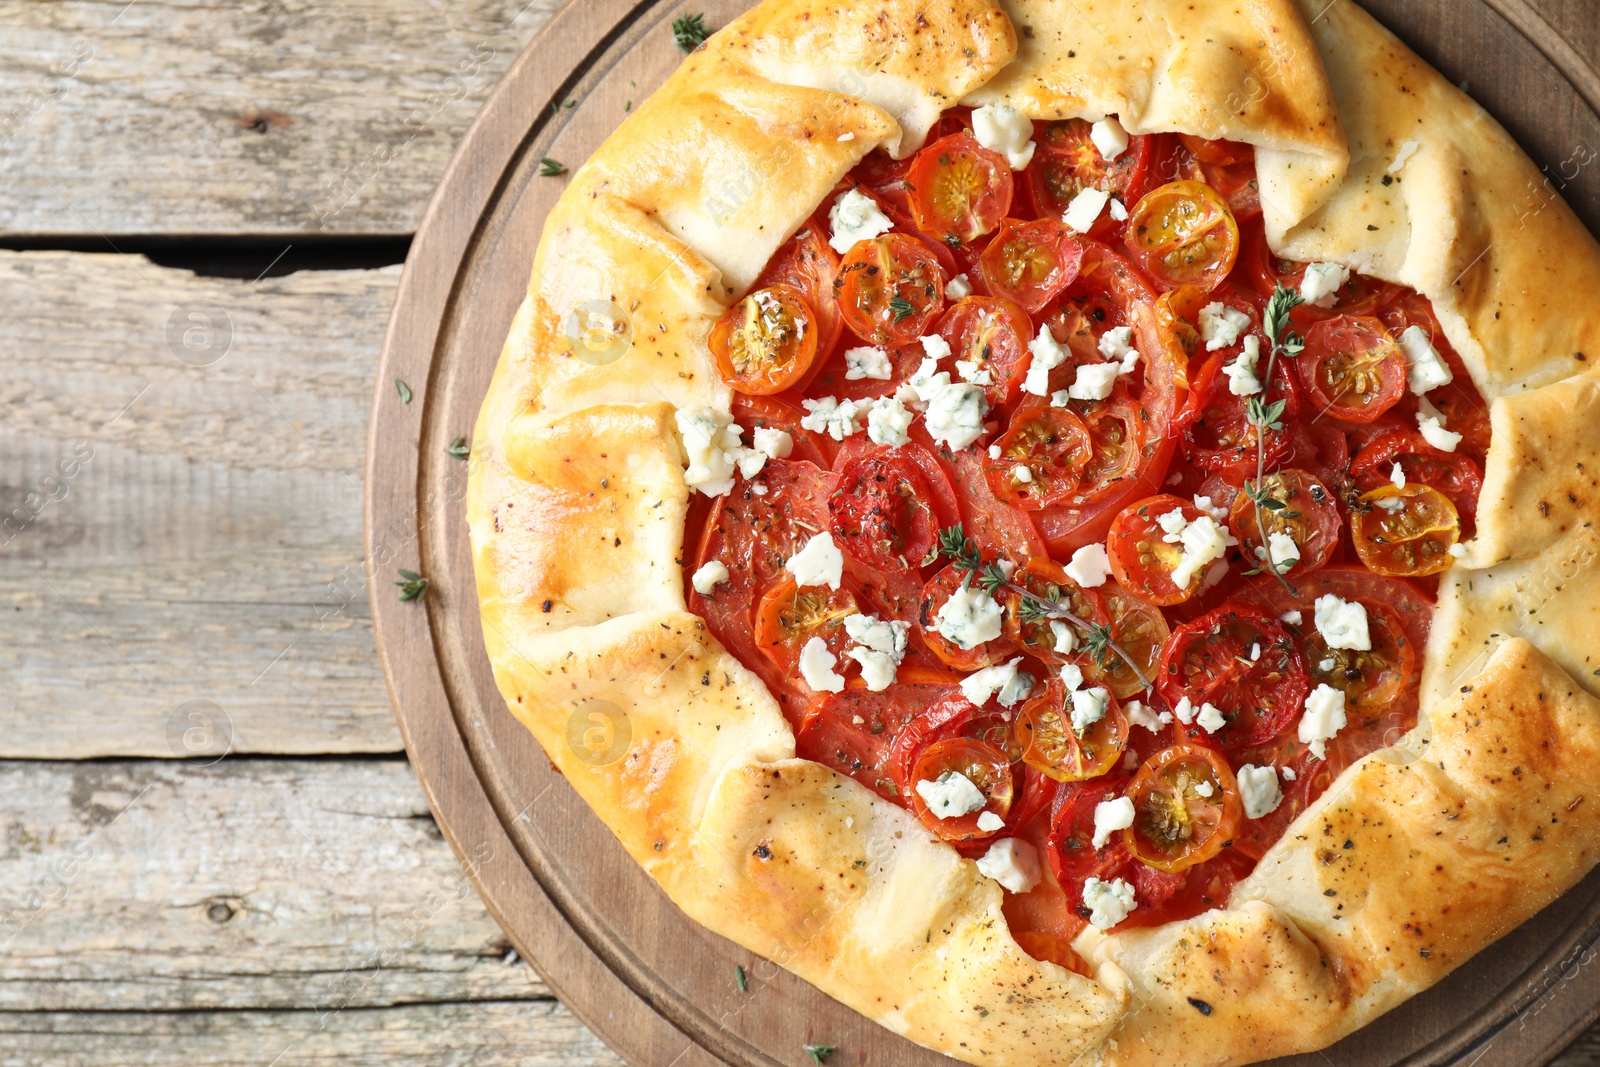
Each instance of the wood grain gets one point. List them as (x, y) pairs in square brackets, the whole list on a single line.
[(173, 532), (164, 117)]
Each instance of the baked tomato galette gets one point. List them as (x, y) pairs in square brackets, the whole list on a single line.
[(1088, 522)]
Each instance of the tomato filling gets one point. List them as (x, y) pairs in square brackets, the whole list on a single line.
[(1101, 544)]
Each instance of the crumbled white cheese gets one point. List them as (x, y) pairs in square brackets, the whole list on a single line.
[(1184, 710), (711, 443), (1085, 209), (1458, 550), (1288, 774), (1323, 718), (836, 418), (1258, 788), (934, 346), (1005, 130), (989, 822), (1094, 381), (994, 451), (1090, 566), (1216, 511), (868, 361), (952, 796), (1140, 714), (1109, 817), (969, 618), (712, 573), (1204, 540), (888, 422), (816, 667), (1407, 150), (1088, 708), (972, 370), (1425, 367), (846, 137), (855, 217), (1293, 618), (1011, 684), (1342, 623), (819, 563), (1430, 421), (1072, 676), (1117, 344), (1010, 861), (955, 415), (1281, 552), (1221, 325), (1241, 370), (1048, 354), (1022, 473), (1117, 210), (958, 288), (1210, 718), (1108, 902), (1065, 638), (1390, 503), (1397, 475), (878, 646), (1205, 789), (923, 385), (1109, 137), (1322, 282), (773, 443)]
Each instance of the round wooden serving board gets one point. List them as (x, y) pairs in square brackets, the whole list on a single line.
[(658, 988)]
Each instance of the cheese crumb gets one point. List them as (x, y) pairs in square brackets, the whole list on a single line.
[(1109, 137), (1109, 817), (1241, 371), (1011, 862), (969, 618), (1090, 566), (1117, 344), (1210, 718), (836, 418), (1108, 902), (952, 796), (1342, 623), (868, 361), (1005, 130), (1221, 325), (958, 288), (955, 415), (989, 822), (878, 646), (816, 667), (1065, 638), (1117, 210), (1085, 209), (712, 573), (1094, 381), (888, 422), (1322, 282), (1397, 475), (1048, 354), (1425, 368), (711, 443), (1088, 708), (1293, 618), (1431, 423), (1139, 714), (1204, 540), (1281, 552), (819, 563), (1258, 788), (854, 217), (1011, 684), (1323, 718), (773, 443)]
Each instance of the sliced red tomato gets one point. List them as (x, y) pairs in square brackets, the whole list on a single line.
[(981, 764), (890, 289), (1405, 532), (788, 616), (1296, 504), (1186, 807), (1066, 162), (992, 333), (889, 508), (1453, 474), (1070, 848), (766, 342), (1351, 368), (1000, 530), (808, 263), (1044, 731), (940, 588), (851, 731), (1144, 555), (1031, 262), (1319, 448), (1043, 454), (1183, 234), (1217, 432), (960, 190), (1255, 836), (1240, 660)]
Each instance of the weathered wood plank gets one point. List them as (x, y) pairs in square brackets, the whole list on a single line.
[(157, 885), (539, 1034), (280, 116), (176, 529)]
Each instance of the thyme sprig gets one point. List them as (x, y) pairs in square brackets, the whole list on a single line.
[(690, 31), (1269, 416), (963, 553)]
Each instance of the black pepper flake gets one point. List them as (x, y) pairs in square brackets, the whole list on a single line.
[(762, 852), (547, 606), (1200, 1006), (1425, 954)]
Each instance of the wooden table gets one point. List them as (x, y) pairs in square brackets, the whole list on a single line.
[(202, 217)]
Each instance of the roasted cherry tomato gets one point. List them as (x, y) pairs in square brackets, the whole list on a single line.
[(883, 513), (1031, 262), (1185, 808), (808, 263), (766, 342), (999, 529), (1035, 631), (991, 333), (890, 289), (1321, 449), (1184, 234), (985, 766), (851, 731), (1146, 556), (1295, 504), (1240, 660), (1462, 406), (1044, 730), (789, 616), (960, 190), (1371, 680), (1217, 432), (1453, 474), (1351, 368), (773, 413), (1067, 162), (1138, 629), (1043, 454), (935, 595), (1406, 532)]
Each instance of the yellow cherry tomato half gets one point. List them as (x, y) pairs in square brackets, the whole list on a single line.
[(1182, 233), (1405, 532), (766, 342)]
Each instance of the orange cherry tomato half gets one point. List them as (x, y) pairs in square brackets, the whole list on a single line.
[(940, 588), (1067, 162), (1139, 629), (1043, 454), (1144, 556), (1351, 368), (789, 616), (807, 262), (1183, 234), (981, 764), (1033, 631), (1031, 262), (960, 190), (992, 333), (1185, 808), (1045, 733), (766, 342), (1295, 504), (1405, 532), (890, 288)]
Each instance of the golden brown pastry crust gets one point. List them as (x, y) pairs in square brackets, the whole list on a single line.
[(577, 507)]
